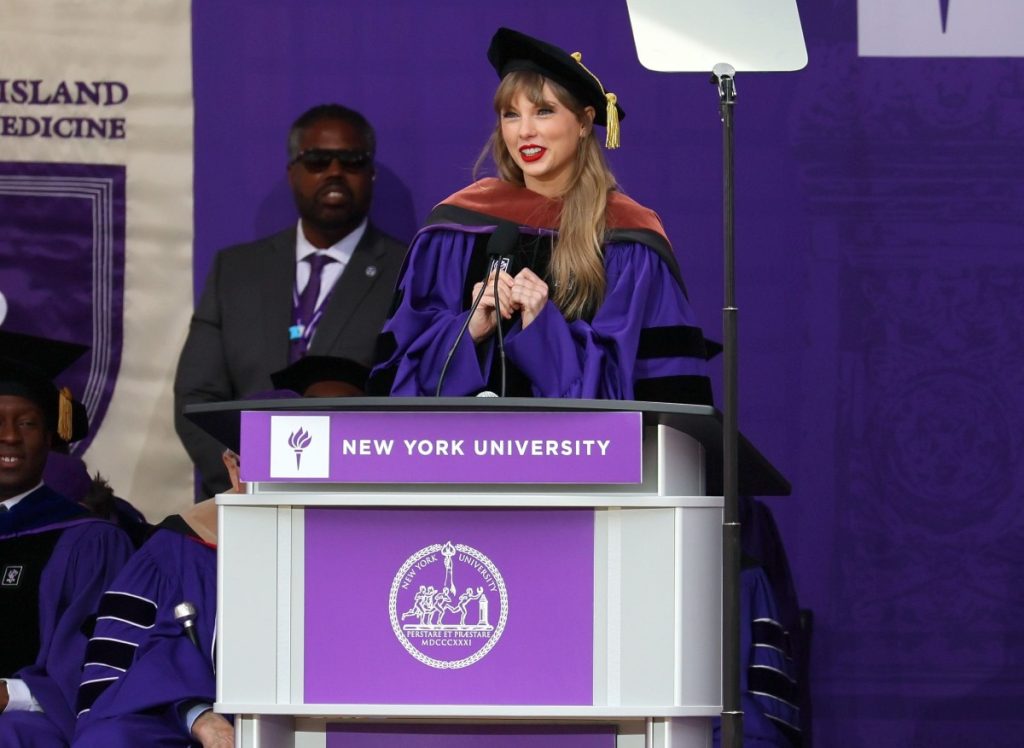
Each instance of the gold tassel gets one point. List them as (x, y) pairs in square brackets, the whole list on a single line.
[(64, 417), (611, 137)]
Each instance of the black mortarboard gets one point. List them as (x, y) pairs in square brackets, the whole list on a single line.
[(28, 366), (511, 51), (310, 370)]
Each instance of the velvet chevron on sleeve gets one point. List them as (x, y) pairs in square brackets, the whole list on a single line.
[(65, 558), (140, 666)]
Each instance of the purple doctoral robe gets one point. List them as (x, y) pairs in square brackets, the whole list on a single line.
[(641, 343), (141, 670), (769, 689), (76, 557)]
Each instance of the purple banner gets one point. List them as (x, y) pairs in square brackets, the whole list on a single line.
[(482, 447), (344, 735), (449, 606), (62, 256)]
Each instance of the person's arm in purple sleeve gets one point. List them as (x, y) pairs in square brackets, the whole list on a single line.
[(427, 319), (610, 357), (84, 563)]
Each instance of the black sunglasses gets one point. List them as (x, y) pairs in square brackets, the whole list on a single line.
[(316, 160)]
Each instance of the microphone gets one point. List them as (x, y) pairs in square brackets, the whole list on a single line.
[(499, 249), (502, 243), (185, 614)]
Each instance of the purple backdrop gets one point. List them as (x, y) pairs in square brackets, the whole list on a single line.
[(880, 211)]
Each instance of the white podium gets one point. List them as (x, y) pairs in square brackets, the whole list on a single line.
[(543, 605)]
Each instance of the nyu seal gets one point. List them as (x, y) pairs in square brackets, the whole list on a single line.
[(448, 605)]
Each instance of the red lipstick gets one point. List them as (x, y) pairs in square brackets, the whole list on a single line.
[(530, 152)]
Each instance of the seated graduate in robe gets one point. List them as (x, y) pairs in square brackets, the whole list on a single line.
[(68, 475), (55, 557), (145, 681), (592, 304), (769, 687)]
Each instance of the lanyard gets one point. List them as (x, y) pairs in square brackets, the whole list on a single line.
[(300, 329)]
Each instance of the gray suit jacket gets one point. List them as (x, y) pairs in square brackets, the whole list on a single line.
[(239, 331)]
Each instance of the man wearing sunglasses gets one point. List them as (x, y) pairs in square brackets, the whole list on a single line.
[(322, 287)]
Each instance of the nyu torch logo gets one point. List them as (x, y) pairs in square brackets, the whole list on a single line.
[(300, 446), (298, 441)]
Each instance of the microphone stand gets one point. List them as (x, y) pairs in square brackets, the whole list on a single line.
[(732, 713), (501, 336), (458, 338)]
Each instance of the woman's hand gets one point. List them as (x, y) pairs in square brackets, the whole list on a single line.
[(484, 319), (529, 295)]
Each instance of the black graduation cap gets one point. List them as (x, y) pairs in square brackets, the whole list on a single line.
[(28, 366), (512, 50), (311, 370)]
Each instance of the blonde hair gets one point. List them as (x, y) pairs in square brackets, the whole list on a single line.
[(576, 266)]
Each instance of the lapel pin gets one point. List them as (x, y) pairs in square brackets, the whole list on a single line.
[(371, 271)]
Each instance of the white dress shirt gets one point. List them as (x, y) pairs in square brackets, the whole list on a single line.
[(340, 253)]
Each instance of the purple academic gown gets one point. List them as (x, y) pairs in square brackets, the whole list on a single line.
[(769, 693), (642, 343), (86, 554), (141, 670)]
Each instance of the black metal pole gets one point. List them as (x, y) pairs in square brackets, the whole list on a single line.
[(732, 712)]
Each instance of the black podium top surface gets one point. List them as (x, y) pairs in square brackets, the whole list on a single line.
[(757, 476)]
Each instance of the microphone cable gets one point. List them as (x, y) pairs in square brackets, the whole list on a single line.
[(465, 326), (501, 335), (501, 243)]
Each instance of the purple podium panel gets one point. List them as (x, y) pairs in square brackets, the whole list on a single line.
[(448, 447), (470, 736), (449, 606)]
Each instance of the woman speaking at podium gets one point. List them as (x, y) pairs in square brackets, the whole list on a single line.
[(545, 281)]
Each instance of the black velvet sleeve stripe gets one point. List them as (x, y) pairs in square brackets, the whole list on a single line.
[(89, 691), (386, 346), (771, 682), (791, 733), (690, 389), (88, 626), (137, 611), (770, 633), (381, 380), (110, 652), (396, 301), (671, 340)]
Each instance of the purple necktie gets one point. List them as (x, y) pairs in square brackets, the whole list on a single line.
[(307, 303)]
